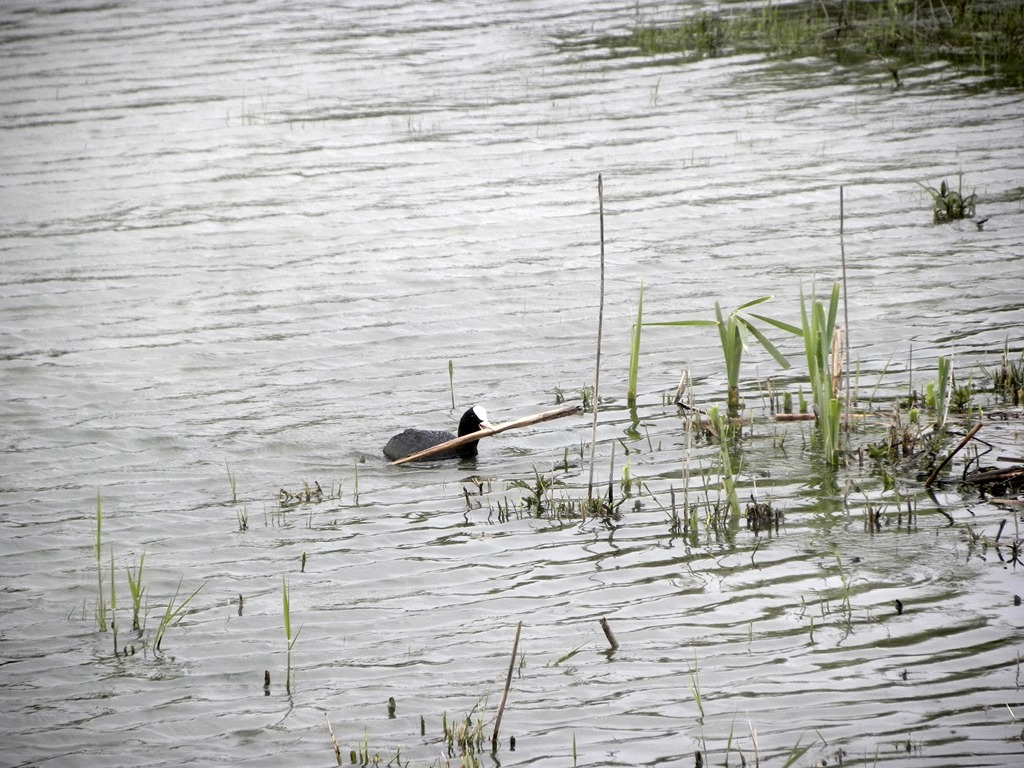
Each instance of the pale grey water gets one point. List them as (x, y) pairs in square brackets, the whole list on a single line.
[(252, 235)]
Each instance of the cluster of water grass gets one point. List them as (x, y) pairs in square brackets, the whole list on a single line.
[(107, 601), (1008, 377), (824, 369), (980, 35)]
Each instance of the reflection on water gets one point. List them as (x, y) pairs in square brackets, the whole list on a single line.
[(240, 246)]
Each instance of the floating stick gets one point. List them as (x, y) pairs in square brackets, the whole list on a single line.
[(526, 421)]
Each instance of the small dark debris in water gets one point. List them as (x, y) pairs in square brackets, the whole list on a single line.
[(762, 516), (980, 223), (1016, 599), (240, 603), (1016, 552), (698, 760), (307, 495), (899, 607), (511, 743), (998, 482), (266, 682), (392, 706), (423, 726), (609, 635), (904, 674), (854, 560)]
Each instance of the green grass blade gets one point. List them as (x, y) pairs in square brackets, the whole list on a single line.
[(764, 342), (634, 347), (754, 303), (676, 323), (782, 326)]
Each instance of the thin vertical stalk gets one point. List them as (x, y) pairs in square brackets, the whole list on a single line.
[(451, 381), (600, 324), (508, 684), (846, 304), (101, 607)]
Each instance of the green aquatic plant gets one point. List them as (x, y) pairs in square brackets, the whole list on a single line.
[(1008, 377), (232, 482), (941, 397), (173, 613), (695, 688), (726, 432), (291, 639), (451, 381), (136, 590), (634, 349), (949, 204), (732, 331), (822, 351), (101, 605)]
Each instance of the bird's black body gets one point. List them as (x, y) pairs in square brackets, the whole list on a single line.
[(415, 440)]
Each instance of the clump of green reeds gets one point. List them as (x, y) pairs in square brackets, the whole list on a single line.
[(733, 330), (951, 204), (824, 367), (465, 737), (1008, 377)]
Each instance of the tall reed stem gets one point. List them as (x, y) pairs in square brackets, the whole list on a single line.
[(846, 306), (508, 684), (600, 325)]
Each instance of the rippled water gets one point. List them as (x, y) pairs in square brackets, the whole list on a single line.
[(241, 242)]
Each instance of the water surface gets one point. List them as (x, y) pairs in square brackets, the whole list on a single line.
[(240, 244)]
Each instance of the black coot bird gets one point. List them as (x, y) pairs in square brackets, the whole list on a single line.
[(414, 440)]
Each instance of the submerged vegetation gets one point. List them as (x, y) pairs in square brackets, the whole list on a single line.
[(981, 35)]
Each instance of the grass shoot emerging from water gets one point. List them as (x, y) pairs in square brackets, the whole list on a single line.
[(173, 614), (136, 590), (101, 606), (1008, 377), (634, 349), (286, 609)]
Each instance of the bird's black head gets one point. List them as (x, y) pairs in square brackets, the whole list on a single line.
[(473, 420)]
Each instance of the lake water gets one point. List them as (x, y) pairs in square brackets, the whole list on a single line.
[(240, 246)]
